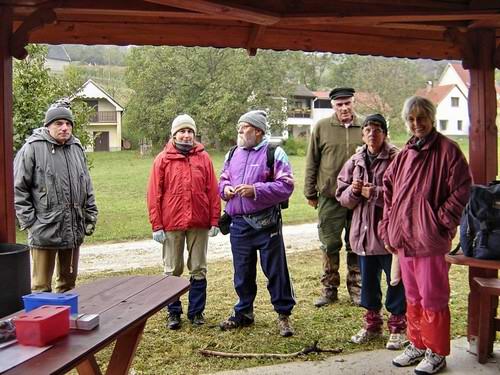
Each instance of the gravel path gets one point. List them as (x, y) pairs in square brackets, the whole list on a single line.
[(139, 254)]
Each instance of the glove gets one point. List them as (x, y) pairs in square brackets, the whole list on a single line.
[(213, 231), (159, 236)]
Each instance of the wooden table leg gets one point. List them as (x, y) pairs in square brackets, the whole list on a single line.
[(473, 305), (125, 347), (89, 366)]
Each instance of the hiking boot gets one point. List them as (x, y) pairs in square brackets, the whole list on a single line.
[(198, 319), (431, 364), (233, 323), (324, 300), (364, 335), (284, 326), (396, 341), (410, 356), (174, 321)]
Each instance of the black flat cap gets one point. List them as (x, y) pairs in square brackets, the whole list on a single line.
[(341, 92), (377, 118)]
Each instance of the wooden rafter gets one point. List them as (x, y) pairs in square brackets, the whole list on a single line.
[(256, 33), (242, 13), (400, 17), (36, 20)]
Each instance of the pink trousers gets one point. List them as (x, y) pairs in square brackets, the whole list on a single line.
[(427, 291)]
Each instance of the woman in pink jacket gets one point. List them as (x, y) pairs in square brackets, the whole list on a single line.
[(359, 188), (425, 190)]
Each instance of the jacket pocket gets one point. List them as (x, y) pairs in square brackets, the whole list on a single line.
[(46, 230), (427, 231)]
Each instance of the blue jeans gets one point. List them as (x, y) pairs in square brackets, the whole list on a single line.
[(371, 294), (245, 241)]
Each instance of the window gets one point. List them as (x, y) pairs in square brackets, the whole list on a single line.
[(454, 101), (459, 124), (443, 124)]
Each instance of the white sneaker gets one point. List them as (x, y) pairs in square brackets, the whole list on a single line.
[(396, 341), (364, 336), (431, 364), (410, 356)]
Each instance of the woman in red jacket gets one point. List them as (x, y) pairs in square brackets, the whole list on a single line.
[(184, 208), (425, 190)]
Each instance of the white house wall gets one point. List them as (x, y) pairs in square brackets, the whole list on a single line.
[(115, 143), (445, 111), (105, 105), (450, 77)]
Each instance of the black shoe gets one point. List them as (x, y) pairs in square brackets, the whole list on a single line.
[(198, 319), (174, 321)]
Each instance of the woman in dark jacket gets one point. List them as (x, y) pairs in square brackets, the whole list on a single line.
[(425, 190)]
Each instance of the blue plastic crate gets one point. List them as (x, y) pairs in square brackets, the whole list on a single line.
[(37, 299)]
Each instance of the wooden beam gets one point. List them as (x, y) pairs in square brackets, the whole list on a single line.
[(482, 106), (236, 36), (7, 214), (256, 33), (36, 20), (388, 16), (241, 13)]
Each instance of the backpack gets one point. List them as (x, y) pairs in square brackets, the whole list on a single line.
[(480, 223), (270, 164)]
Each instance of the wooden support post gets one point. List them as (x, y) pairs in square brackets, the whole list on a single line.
[(7, 215), (482, 141)]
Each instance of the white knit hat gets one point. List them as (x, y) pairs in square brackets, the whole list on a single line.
[(182, 122)]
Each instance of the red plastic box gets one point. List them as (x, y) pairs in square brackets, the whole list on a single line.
[(43, 325)]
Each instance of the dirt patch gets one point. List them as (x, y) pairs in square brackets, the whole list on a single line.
[(140, 254)]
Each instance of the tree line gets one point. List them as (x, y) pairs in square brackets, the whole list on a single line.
[(213, 85)]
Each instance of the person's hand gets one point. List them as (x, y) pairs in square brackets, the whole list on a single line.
[(390, 249), (159, 235), (367, 190), (245, 190), (229, 192), (357, 186), (89, 228), (213, 231), (313, 203)]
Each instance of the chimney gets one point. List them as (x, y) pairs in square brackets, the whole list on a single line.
[(428, 86)]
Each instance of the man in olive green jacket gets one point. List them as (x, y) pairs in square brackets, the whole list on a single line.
[(333, 141)]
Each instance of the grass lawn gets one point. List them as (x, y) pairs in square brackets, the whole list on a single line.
[(176, 352)]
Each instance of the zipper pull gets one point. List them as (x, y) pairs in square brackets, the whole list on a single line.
[(53, 149)]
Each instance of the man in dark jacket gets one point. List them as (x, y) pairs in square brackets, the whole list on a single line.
[(54, 199), (333, 140)]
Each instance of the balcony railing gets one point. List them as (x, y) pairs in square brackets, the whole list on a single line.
[(104, 116), (299, 113)]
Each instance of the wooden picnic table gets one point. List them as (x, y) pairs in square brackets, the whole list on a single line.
[(124, 304), (478, 268)]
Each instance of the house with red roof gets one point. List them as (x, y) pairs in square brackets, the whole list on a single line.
[(450, 98), (307, 107)]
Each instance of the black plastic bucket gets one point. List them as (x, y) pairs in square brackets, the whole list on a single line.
[(14, 277)]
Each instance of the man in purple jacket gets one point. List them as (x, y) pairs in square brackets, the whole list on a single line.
[(253, 193)]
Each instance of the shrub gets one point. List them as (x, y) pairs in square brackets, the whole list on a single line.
[(295, 146)]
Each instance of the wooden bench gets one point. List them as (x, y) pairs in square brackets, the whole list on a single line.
[(482, 269), (489, 323)]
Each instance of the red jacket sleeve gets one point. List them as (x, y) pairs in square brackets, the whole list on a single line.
[(155, 193), (213, 194)]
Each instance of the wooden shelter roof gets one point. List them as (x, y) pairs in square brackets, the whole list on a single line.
[(410, 28)]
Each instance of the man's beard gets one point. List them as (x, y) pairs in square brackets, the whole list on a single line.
[(247, 141)]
